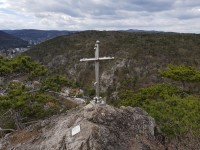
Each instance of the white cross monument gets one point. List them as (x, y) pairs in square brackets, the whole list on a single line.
[(96, 60)]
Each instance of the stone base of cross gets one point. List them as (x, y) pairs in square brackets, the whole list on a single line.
[(97, 99)]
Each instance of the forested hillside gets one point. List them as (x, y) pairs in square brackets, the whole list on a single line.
[(138, 56), (9, 41)]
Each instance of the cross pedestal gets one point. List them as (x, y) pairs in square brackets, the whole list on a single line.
[(97, 59)]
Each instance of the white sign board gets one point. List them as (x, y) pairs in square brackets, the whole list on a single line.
[(76, 130)]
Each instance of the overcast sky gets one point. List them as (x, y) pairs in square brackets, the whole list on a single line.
[(162, 15)]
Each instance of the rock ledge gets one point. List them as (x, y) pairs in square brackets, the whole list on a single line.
[(101, 128)]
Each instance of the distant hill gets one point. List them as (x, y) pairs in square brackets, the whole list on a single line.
[(138, 57), (136, 30), (9, 41), (37, 36)]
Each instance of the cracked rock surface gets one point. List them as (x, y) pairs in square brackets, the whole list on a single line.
[(102, 127)]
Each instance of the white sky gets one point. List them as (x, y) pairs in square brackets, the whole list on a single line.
[(160, 15)]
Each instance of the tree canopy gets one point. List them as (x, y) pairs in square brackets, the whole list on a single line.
[(175, 112), (181, 73), (22, 65)]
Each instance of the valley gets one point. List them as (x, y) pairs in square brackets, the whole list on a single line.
[(156, 71)]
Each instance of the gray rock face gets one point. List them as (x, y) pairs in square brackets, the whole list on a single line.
[(101, 128)]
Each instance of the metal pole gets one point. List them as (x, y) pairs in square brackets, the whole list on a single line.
[(97, 69)]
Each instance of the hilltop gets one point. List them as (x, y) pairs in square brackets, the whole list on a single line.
[(9, 41), (98, 128), (139, 76)]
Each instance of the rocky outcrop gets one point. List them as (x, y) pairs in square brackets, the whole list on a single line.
[(102, 127)]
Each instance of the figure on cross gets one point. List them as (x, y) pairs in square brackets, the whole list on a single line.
[(97, 98)]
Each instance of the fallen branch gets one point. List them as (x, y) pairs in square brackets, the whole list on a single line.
[(33, 91), (12, 130), (31, 122)]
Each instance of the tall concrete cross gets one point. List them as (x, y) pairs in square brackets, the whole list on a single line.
[(96, 60)]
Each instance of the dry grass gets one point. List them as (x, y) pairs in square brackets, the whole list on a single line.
[(23, 136)]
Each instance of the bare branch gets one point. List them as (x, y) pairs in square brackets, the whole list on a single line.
[(33, 91), (4, 114), (31, 122), (7, 130)]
